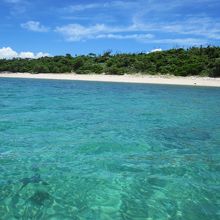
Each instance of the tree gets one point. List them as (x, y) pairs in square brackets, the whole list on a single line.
[(216, 69), (39, 68), (192, 61)]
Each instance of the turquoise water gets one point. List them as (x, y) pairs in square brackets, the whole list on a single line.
[(88, 150)]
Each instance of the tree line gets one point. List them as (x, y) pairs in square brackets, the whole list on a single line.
[(201, 61)]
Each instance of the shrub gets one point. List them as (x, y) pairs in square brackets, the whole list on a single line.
[(114, 71)]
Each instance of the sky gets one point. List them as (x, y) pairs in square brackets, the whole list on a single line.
[(35, 28)]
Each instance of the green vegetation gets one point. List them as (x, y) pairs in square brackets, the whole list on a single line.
[(203, 61)]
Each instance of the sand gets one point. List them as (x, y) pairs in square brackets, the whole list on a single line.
[(148, 79)]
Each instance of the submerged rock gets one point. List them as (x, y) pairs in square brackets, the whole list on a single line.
[(40, 198), (34, 179)]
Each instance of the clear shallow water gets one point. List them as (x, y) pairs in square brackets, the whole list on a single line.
[(85, 150)]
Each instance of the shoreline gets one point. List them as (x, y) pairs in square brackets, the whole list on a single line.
[(143, 79)]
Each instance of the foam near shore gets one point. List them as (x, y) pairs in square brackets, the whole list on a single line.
[(148, 79)]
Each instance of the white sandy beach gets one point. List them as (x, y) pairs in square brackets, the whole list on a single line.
[(148, 79)]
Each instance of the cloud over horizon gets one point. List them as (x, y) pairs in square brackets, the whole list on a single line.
[(9, 53)]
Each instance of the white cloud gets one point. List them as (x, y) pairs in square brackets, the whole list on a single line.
[(41, 54), (77, 32), (17, 6), (9, 53), (81, 7), (150, 21), (200, 26), (140, 32), (126, 36), (105, 5), (181, 41), (156, 50), (26, 55), (195, 27), (34, 26), (192, 31)]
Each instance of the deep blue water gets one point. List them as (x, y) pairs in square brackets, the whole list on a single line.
[(89, 150)]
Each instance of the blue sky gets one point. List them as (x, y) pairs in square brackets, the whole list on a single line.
[(58, 27)]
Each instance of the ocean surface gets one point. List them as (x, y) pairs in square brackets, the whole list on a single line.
[(101, 151)]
